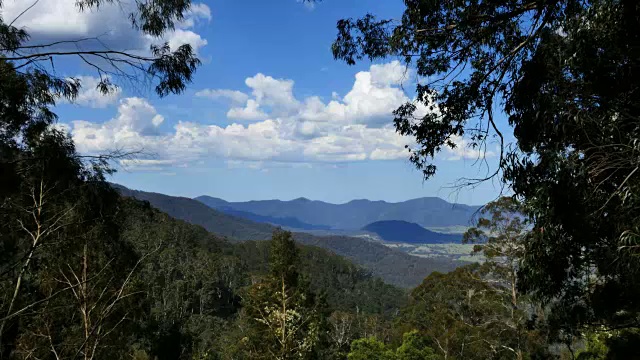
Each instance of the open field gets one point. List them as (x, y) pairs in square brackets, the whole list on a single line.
[(460, 252), (458, 229)]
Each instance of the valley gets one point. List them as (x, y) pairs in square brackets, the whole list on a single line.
[(397, 266), (453, 252), (426, 227)]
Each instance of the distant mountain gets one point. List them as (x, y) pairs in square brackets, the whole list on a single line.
[(426, 212), (287, 222), (407, 232), (393, 266)]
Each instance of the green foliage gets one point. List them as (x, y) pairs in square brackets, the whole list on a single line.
[(286, 319), (581, 187), (369, 349), (68, 275), (64, 269), (413, 347), (610, 345), (595, 347), (284, 257), (499, 235), (564, 72), (471, 50), (466, 316), (170, 69)]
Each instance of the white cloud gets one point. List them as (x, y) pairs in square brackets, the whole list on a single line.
[(463, 150), (250, 112), (393, 73), (237, 97), (90, 96), (145, 162), (281, 130), (371, 100), (179, 37), (388, 154), (61, 20), (196, 13), (135, 127), (275, 93), (148, 165)]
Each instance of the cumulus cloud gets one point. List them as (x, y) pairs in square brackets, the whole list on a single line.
[(60, 20), (371, 100), (135, 127), (277, 127), (235, 96), (275, 93), (463, 150), (90, 96), (250, 112)]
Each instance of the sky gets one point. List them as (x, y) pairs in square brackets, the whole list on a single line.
[(269, 115)]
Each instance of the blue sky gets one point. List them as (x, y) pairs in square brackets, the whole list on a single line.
[(269, 115)]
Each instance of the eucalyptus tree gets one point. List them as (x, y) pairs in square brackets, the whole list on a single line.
[(564, 74)]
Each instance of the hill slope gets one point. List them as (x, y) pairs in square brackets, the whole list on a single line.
[(426, 212), (197, 213), (407, 232), (391, 265), (346, 286)]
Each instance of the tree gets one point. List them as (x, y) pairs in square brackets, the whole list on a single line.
[(170, 69), (55, 207), (369, 349), (470, 52), (500, 238), (565, 74), (499, 235), (466, 315), (61, 252), (65, 258), (581, 190), (413, 347), (286, 319)]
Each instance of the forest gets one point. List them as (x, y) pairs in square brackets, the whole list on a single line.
[(88, 273)]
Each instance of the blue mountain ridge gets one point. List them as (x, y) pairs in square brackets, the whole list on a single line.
[(353, 215)]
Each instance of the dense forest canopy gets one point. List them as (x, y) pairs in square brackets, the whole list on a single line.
[(87, 273)]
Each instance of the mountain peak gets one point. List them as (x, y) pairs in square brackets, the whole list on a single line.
[(356, 201), (212, 202)]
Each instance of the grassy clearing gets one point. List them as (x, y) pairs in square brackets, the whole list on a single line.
[(461, 252)]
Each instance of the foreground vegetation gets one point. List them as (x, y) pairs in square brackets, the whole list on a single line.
[(85, 273)]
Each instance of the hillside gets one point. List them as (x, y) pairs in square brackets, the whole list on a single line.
[(393, 266), (426, 212), (407, 232), (197, 213), (345, 285)]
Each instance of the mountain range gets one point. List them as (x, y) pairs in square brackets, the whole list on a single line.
[(356, 214), (393, 266)]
